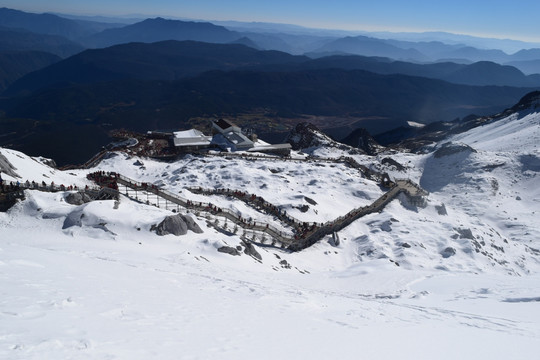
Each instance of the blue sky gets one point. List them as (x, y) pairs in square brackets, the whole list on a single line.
[(495, 18)]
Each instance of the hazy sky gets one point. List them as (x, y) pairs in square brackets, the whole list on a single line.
[(492, 18)]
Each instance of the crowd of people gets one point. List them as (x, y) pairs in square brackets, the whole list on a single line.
[(14, 186), (301, 229), (104, 179), (6, 187)]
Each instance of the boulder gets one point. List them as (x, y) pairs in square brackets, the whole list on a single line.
[(251, 251), (77, 198), (449, 251), (229, 250), (441, 209), (176, 225)]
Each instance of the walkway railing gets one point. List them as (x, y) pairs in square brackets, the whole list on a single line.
[(305, 234)]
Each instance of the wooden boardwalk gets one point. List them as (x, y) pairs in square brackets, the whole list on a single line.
[(293, 235), (303, 234)]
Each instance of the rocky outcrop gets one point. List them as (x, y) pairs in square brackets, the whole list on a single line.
[(177, 225), (251, 251), (77, 198), (229, 250), (451, 148), (362, 139), (449, 251), (529, 101), (7, 168), (387, 161), (306, 135), (441, 209)]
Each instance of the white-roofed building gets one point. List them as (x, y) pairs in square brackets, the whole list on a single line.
[(232, 134), (191, 140)]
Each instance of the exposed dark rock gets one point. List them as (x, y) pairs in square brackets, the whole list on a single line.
[(77, 198), (48, 162), (451, 148), (441, 209), (406, 245), (309, 200), (229, 250), (449, 251), (391, 162), (284, 264), (306, 135), (529, 101), (303, 208), (500, 248), (386, 226), (251, 251), (138, 163), (465, 234), (176, 225), (6, 204), (362, 139), (7, 168)]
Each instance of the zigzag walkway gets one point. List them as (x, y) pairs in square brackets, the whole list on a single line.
[(305, 235), (207, 208), (254, 201)]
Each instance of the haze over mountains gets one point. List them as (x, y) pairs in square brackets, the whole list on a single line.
[(161, 73)]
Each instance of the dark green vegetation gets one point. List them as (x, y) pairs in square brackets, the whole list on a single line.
[(14, 65)]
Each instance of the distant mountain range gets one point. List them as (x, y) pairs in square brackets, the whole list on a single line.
[(166, 60), (50, 24), (23, 40), (174, 60), (159, 29), (160, 73), (478, 74), (424, 51), (292, 39)]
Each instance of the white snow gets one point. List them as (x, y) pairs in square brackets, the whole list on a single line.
[(108, 288), (415, 124)]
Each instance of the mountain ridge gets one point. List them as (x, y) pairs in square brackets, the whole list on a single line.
[(159, 29)]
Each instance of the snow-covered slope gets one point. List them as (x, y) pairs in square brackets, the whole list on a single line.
[(456, 278)]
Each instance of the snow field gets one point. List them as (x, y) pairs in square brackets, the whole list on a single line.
[(92, 282)]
